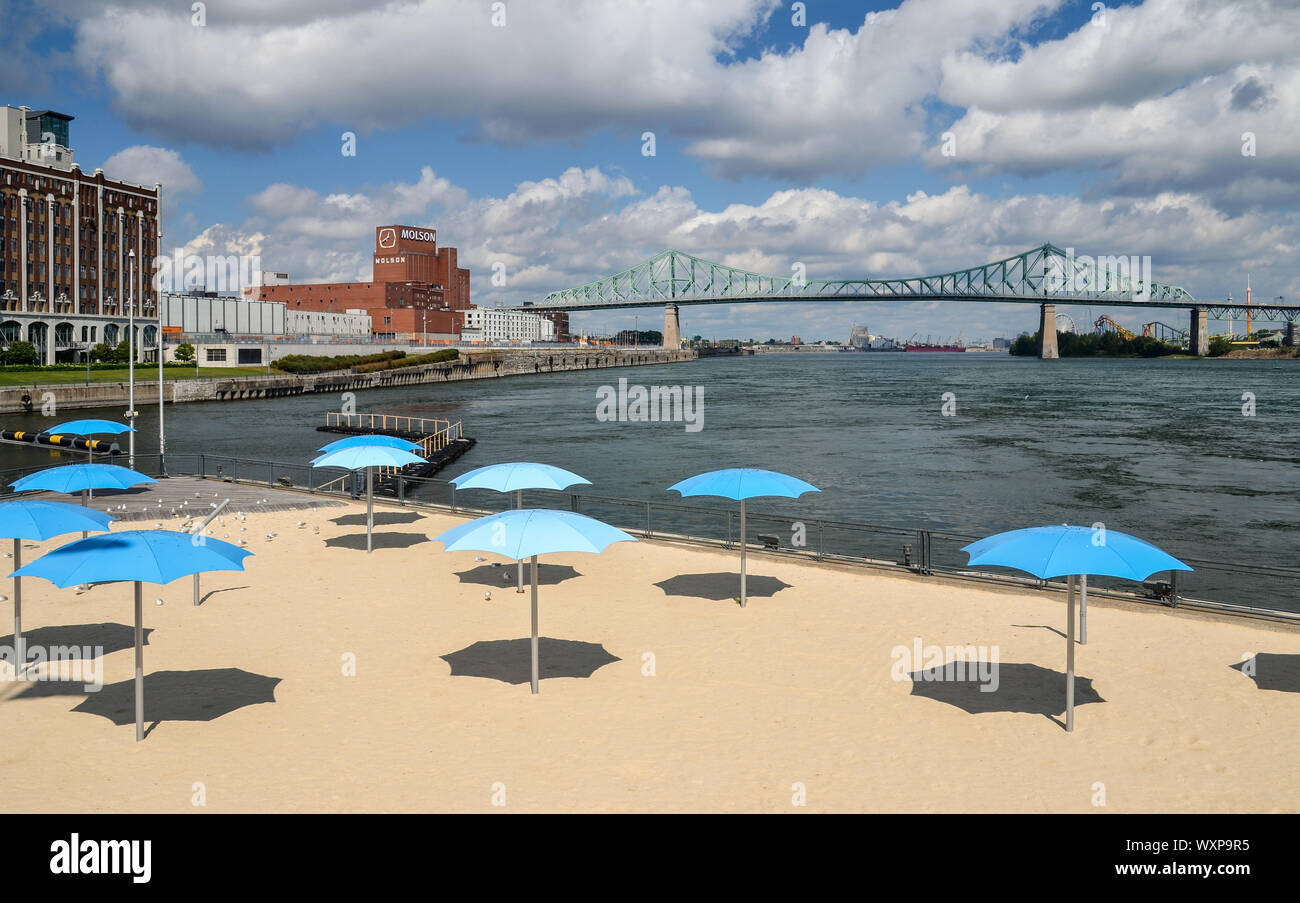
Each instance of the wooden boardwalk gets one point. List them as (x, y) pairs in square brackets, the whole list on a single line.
[(184, 496)]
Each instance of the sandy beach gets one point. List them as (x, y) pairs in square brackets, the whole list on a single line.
[(707, 707)]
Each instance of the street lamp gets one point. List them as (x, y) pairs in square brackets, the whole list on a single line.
[(636, 328), (130, 358)]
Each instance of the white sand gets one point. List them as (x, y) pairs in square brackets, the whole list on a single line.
[(744, 704)]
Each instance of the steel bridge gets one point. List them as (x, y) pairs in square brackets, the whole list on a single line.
[(1045, 276)]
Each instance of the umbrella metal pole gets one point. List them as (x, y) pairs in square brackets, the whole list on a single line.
[(370, 505), (742, 553), (139, 664), (1083, 609), (84, 503), (519, 565), (534, 563), (196, 589), (1069, 661), (21, 658)]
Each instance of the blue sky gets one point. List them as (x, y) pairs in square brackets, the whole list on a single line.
[(775, 142)]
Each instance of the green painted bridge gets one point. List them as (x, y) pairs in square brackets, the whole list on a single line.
[(1045, 275)]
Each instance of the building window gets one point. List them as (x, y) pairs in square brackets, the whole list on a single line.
[(216, 355)]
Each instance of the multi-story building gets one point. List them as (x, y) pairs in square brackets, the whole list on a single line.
[(417, 290), (75, 249), (491, 324)]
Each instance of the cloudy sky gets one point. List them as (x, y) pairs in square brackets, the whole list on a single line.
[(867, 138)]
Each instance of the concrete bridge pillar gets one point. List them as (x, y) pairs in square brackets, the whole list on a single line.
[(1198, 338), (1292, 334), (1047, 334), (672, 327)]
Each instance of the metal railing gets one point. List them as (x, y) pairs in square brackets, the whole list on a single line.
[(1269, 591), (443, 433)]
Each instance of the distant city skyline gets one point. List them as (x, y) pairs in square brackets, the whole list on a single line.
[(876, 139)]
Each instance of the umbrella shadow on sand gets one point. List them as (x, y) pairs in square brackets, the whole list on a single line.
[(503, 575), (381, 518), (182, 696), (109, 636), (1272, 671), (380, 540), (510, 661), (720, 587), (1015, 687)]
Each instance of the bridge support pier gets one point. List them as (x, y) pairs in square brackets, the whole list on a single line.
[(672, 327), (1292, 334), (1198, 337), (1047, 350)]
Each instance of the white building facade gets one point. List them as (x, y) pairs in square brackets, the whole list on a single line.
[(491, 324)]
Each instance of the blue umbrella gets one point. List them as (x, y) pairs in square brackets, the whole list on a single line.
[(1066, 551), (373, 439), (83, 478), (516, 477), (70, 478), (90, 428), (743, 483), (527, 533), (368, 456), (41, 520), (136, 556)]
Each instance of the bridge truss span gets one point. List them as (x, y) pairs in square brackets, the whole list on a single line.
[(1044, 274)]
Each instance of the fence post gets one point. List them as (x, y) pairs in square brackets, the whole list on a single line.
[(728, 530), (234, 470), (203, 466), (821, 537), (573, 502), (1173, 589), (648, 531), (401, 488)]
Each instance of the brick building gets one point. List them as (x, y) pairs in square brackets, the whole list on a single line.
[(65, 236), (417, 289)]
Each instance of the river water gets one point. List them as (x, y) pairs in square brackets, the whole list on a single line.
[(1159, 448)]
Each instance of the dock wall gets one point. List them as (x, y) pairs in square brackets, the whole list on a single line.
[(471, 365)]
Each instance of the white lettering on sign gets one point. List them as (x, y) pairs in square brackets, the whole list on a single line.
[(390, 260), (418, 234)]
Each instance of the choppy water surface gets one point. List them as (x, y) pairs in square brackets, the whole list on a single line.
[(1160, 448)]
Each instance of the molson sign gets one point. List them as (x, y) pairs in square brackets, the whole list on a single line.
[(390, 235), (417, 235)]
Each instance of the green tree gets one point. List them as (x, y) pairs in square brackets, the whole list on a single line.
[(101, 352), (185, 352), (22, 353), (1219, 346)]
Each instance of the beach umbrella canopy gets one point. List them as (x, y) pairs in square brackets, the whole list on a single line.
[(135, 556), (370, 455), (373, 439), (70, 478), (743, 483), (515, 477), (40, 520), (90, 428), (527, 533), (1064, 550)]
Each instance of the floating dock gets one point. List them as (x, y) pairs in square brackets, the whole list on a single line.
[(441, 442)]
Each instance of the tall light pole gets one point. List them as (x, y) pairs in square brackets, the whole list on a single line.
[(130, 361), (636, 329), (162, 435)]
